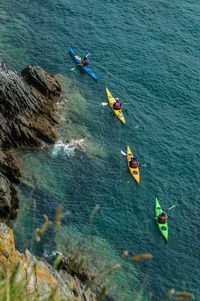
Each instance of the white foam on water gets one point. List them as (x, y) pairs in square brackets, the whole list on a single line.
[(74, 113), (61, 148)]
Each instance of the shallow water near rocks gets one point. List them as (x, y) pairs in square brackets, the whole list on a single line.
[(147, 54)]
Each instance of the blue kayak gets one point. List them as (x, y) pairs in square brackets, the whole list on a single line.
[(86, 69)]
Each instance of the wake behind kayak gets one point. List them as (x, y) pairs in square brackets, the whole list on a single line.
[(86, 69)]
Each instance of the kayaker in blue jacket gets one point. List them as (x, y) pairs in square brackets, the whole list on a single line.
[(117, 105), (84, 62)]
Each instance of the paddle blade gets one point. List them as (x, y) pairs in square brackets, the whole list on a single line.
[(171, 207), (104, 103), (72, 69), (123, 153)]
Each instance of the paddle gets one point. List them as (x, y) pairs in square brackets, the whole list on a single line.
[(141, 163), (106, 103), (72, 69), (123, 153), (170, 208)]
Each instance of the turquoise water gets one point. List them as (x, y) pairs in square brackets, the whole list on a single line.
[(147, 53)]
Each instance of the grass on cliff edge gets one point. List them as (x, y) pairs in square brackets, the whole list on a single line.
[(13, 288)]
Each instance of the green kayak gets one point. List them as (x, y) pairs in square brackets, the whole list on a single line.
[(162, 227)]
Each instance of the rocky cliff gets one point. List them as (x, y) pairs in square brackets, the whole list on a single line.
[(28, 115), (38, 279)]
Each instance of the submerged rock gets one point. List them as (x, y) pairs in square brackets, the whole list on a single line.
[(28, 114)]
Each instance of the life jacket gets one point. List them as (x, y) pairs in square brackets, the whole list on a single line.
[(133, 164), (163, 218), (117, 105), (85, 63)]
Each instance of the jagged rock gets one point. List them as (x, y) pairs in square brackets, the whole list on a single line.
[(28, 114), (9, 166), (47, 84), (70, 265), (9, 175), (8, 204), (28, 108), (39, 276)]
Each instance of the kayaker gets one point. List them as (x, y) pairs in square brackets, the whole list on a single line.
[(84, 62), (162, 218), (117, 105), (133, 163)]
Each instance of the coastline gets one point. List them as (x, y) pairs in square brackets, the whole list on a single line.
[(159, 81), (36, 120), (29, 113)]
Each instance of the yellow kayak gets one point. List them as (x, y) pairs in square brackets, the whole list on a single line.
[(111, 101), (134, 171)]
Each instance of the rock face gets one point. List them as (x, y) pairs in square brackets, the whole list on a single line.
[(39, 277), (27, 107), (28, 113)]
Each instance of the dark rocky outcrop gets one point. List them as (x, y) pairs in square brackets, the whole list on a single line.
[(74, 268), (28, 113)]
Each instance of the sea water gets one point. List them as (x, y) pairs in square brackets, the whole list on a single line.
[(147, 54)]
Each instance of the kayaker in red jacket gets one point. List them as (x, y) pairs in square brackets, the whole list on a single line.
[(84, 62), (162, 218), (133, 163), (117, 105)]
